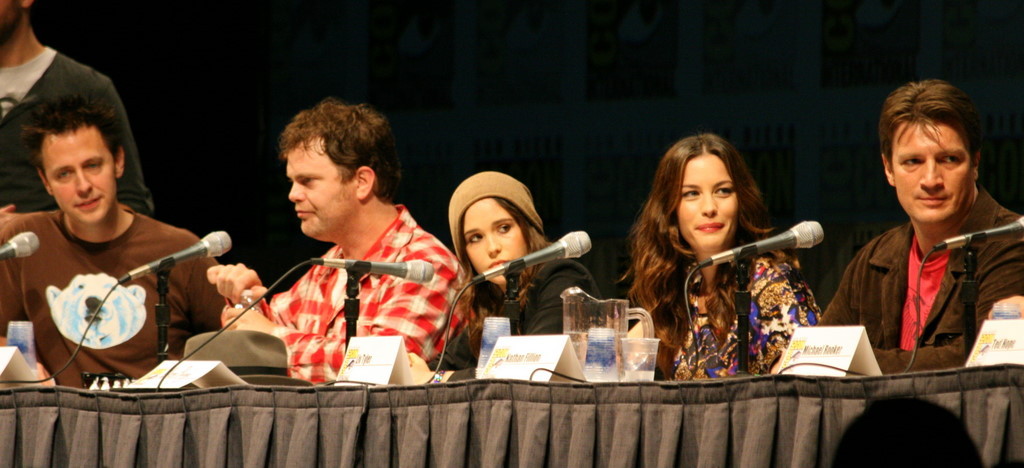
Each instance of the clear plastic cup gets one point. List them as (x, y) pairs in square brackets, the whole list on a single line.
[(639, 357), (1005, 311), (20, 333), (494, 328), (601, 364)]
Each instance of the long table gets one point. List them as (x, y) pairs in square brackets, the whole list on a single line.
[(760, 421)]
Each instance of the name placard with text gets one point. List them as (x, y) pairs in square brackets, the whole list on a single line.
[(834, 351), (520, 357), (14, 367), (202, 374), (999, 342), (380, 360)]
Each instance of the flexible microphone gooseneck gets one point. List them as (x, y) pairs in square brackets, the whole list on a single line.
[(1015, 228), (418, 271), (571, 245), (273, 287), (804, 235), (214, 244)]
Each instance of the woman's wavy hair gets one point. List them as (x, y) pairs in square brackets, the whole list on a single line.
[(486, 299), (661, 257)]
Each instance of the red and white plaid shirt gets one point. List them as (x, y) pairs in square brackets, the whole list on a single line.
[(311, 319)]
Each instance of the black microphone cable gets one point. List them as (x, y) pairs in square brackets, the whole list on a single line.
[(447, 337), (818, 364), (686, 290), (577, 237), (232, 321), (329, 383), (559, 374), (95, 312), (916, 306), (448, 328)]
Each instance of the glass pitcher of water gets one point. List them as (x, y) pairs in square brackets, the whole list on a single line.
[(582, 312)]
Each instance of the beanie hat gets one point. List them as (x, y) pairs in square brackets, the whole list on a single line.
[(489, 184)]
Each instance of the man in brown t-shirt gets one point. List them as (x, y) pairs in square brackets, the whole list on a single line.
[(86, 245)]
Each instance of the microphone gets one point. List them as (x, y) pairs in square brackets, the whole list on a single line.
[(571, 245), (1015, 228), (21, 245), (214, 244), (803, 235), (417, 271)]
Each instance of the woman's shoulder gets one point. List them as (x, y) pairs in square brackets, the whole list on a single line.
[(563, 268), (566, 271), (771, 274), (767, 268), (563, 265)]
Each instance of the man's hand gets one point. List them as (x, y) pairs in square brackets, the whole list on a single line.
[(231, 280), (252, 320), (421, 373), (44, 374), (41, 371), (7, 213)]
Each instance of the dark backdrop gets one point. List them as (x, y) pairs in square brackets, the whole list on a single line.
[(577, 99), (193, 77)]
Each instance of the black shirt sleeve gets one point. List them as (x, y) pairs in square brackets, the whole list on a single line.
[(543, 312)]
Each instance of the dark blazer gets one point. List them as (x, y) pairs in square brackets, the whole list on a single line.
[(874, 289)]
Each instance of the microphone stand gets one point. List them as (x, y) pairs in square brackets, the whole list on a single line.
[(351, 305), (742, 301), (163, 314), (969, 297), (511, 306)]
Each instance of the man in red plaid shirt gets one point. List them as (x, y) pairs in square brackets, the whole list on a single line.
[(344, 170)]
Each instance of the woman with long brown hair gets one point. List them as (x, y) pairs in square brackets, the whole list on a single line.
[(493, 221), (704, 201)]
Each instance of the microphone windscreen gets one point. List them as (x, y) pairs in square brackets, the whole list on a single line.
[(217, 243), (25, 244), (808, 234), (576, 244), (419, 271)]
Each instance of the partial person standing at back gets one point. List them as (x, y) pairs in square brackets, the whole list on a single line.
[(30, 74)]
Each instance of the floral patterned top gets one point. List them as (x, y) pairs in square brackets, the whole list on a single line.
[(780, 301)]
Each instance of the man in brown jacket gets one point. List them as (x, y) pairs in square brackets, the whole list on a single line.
[(931, 147)]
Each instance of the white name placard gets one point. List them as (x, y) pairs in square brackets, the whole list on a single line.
[(520, 357), (380, 360), (835, 351), (202, 374), (999, 342), (14, 367)]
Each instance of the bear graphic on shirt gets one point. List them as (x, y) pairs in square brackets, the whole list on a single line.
[(120, 318)]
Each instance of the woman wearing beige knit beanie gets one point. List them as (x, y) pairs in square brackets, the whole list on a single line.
[(492, 221)]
